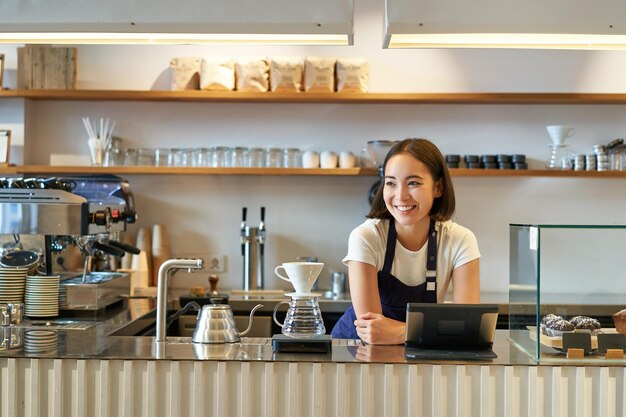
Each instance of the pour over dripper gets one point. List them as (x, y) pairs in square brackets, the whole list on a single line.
[(558, 133)]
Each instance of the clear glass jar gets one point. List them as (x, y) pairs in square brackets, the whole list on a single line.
[(145, 157), (201, 157), (162, 157), (256, 158), (292, 158), (114, 154), (221, 156), (177, 157), (130, 157), (239, 156), (273, 158)]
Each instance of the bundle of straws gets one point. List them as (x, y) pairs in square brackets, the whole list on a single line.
[(101, 141)]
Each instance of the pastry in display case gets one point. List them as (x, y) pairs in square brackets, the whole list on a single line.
[(567, 292)]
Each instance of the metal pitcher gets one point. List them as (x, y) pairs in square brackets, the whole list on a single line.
[(216, 324)]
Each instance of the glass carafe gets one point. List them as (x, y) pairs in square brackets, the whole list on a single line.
[(304, 317), (560, 157)]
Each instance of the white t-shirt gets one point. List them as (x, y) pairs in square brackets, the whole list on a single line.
[(456, 246)]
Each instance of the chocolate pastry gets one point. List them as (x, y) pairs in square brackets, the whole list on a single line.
[(549, 318), (561, 325), (584, 322)]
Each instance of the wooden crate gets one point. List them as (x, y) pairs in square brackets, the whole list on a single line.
[(46, 67)]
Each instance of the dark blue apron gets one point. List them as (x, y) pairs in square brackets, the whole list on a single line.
[(394, 294)]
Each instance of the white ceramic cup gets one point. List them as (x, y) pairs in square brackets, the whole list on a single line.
[(302, 275), (347, 160), (559, 133), (310, 159), (328, 159)]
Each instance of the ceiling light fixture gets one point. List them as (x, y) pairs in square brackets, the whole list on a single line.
[(522, 24), (270, 22)]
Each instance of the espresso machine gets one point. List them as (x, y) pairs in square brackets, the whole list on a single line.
[(74, 224)]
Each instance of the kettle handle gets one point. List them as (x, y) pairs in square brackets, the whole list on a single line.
[(275, 310), (245, 332)]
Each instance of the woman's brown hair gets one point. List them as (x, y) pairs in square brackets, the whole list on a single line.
[(426, 152)]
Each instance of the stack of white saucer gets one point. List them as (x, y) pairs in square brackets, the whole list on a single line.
[(12, 282), (42, 296)]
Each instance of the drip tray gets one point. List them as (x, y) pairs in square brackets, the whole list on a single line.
[(57, 324)]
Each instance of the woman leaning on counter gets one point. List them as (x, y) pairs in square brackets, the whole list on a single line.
[(408, 250)]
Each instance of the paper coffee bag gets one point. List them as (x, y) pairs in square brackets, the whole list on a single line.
[(286, 74), (185, 73), (217, 74), (352, 75), (319, 74), (252, 75)]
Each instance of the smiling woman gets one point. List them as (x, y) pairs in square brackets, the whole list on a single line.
[(408, 250)]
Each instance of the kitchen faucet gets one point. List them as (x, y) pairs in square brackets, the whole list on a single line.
[(164, 270)]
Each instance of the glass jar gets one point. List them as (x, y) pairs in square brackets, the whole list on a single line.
[(239, 156), (221, 156), (114, 155), (162, 157), (292, 158), (256, 158), (273, 158), (177, 157), (201, 157), (145, 157), (130, 157)]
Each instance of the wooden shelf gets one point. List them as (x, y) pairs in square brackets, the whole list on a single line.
[(369, 172), (151, 170), (235, 96)]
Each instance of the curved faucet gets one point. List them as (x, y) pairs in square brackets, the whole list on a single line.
[(164, 270)]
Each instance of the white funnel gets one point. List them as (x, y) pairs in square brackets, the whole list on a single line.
[(559, 133)]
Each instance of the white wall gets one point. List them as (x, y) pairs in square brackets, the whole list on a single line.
[(313, 216)]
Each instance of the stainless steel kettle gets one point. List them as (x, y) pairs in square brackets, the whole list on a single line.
[(216, 324)]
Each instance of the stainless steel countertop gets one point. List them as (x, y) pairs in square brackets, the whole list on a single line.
[(96, 343)]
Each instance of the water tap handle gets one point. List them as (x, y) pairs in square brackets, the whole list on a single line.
[(242, 230)]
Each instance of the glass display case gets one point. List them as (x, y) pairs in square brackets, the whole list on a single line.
[(576, 273)]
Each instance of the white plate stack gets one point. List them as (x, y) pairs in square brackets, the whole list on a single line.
[(42, 296), (12, 283)]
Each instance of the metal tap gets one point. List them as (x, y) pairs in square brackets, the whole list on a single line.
[(253, 255), (242, 231), (260, 237), (163, 278)]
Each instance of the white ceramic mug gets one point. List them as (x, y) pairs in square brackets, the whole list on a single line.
[(310, 159), (328, 159), (302, 275), (347, 160)]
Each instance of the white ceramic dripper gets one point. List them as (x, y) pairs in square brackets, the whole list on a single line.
[(559, 133)]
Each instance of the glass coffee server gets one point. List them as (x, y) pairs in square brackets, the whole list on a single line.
[(567, 293)]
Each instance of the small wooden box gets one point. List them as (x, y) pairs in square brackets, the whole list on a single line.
[(46, 67)]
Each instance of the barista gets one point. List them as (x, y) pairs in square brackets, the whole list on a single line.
[(408, 250)]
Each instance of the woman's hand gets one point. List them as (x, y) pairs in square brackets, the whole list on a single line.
[(376, 329)]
